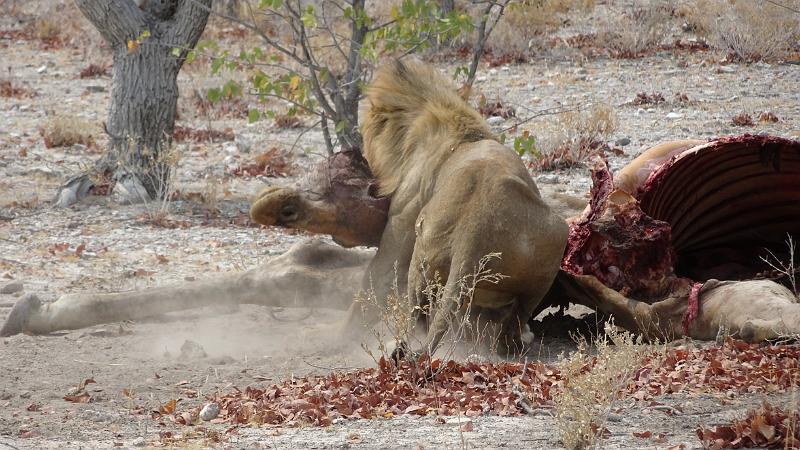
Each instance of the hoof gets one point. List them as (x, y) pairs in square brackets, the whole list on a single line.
[(400, 352), (20, 315)]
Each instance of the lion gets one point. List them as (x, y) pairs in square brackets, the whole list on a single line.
[(457, 195)]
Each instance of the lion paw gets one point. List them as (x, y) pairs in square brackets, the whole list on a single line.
[(18, 318)]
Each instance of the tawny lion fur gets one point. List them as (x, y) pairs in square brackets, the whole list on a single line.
[(457, 196)]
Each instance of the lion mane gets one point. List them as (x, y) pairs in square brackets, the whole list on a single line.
[(412, 112)]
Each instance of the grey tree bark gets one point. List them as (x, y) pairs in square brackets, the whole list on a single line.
[(143, 35)]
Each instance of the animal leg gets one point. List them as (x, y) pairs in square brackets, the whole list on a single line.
[(312, 273), (448, 306)]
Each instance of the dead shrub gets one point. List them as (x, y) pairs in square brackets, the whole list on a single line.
[(767, 427), (680, 98), (287, 121), (747, 30), (48, 31), (234, 107), (575, 138), (93, 71), (397, 317), (495, 109), (643, 98), (185, 134), (636, 31), (65, 131), (274, 162), (9, 90), (525, 24), (768, 117), (594, 381), (743, 120)]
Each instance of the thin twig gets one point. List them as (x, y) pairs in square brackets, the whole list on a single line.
[(545, 112)]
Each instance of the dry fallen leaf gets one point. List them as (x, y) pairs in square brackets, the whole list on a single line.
[(79, 398), (169, 407)]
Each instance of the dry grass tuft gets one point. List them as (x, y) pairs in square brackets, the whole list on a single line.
[(768, 117), (594, 381), (94, 71), (396, 318), (65, 131), (9, 90), (189, 134), (637, 30), (743, 120), (643, 98), (526, 24), (287, 121), (747, 30), (577, 137)]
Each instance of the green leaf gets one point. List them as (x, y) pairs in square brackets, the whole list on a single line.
[(253, 115), (308, 18), (216, 64), (214, 95)]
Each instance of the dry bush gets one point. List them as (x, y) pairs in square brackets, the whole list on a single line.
[(576, 138), (10, 90), (594, 381), (287, 121), (94, 71), (275, 162), (234, 107), (65, 131), (525, 25), (184, 134), (638, 29), (643, 98), (157, 211), (396, 317), (48, 29), (743, 120), (768, 117), (747, 30)]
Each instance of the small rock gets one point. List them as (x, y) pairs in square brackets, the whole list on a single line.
[(726, 69), (209, 412), (674, 115), (494, 120), (221, 360), (130, 191), (42, 69), (192, 350), (547, 179), (622, 142), (139, 442), (95, 88), (25, 394), (13, 287)]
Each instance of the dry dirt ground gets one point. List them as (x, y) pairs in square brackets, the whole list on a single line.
[(101, 246)]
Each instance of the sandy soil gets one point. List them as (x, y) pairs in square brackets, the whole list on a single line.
[(141, 365)]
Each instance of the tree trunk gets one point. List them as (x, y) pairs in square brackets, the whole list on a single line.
[(143, 35)]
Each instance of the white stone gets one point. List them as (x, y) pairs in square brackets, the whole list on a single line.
[(209, 412)]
